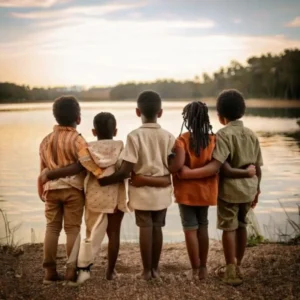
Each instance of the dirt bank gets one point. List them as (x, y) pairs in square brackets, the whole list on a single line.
[(271, 272)]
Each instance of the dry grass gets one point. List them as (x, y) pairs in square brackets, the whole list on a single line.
[(272, 271)]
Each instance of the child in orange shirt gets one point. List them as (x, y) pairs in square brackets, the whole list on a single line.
[(194, 149)]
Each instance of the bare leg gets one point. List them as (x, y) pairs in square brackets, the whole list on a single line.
[(241, 242), (113, 233), (156, 250), (203, 241), (146, 250), (229, 246), (192, 245)]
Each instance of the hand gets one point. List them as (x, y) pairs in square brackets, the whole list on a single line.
[(255, 201), (183, 171), (137, 180), (251, 170), (43, 178)]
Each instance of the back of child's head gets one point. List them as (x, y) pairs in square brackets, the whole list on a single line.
[(105, 125), (231, 105), (66, 110), (149, 104), (196, 120)]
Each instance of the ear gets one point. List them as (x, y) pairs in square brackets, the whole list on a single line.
[(138, 112), (78, 121), (116, 132), (160, 113), (94, 132)]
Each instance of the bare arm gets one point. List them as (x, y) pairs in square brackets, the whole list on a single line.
[(142, 180), (69, 170), (230, 172), (212, 168), (123, 173), (177, 162)]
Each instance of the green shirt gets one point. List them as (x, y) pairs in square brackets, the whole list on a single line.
[(240, 146)]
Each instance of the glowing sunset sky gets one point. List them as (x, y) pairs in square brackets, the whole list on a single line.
[(65, 42)]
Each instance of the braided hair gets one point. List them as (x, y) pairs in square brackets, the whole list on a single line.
[(196, 120)]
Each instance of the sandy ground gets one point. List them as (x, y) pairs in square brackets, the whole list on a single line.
[(272, 272)]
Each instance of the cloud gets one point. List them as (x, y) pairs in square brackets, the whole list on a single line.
[(294, 23), (31, 3), (93, 51), (76, 11), (237, 21)]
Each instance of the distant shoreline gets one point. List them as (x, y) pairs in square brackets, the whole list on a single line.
[(130, 103)]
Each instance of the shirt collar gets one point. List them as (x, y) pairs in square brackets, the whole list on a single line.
[(236, 123), (63, 128), (151, 125)]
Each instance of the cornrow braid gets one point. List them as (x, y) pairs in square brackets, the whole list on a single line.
[(196, 120)]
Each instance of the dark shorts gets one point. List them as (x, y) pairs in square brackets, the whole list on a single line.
[(231, 216), (193, 216), (150, 218)]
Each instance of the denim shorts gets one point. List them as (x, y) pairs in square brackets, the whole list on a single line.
[(193, 216)]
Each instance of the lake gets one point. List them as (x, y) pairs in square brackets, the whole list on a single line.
[(23, 126)]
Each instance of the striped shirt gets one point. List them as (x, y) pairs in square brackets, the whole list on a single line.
[(59, 149)]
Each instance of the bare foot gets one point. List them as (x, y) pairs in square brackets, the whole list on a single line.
[(145, 275), (202, 273), (111, 275), (192, 274), (155, 273)]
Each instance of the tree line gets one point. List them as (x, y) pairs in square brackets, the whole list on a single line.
[(266, 76)]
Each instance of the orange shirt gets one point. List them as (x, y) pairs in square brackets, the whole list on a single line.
[(196, 192)]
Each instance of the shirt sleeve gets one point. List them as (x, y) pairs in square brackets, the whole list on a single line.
[(222, 150), (171, 143), (259, 160), (130, 153), (179, 143), (80, 144), (42, 162), (85, 157)]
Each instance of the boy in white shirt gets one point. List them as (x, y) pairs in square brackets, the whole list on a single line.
[(146, 153)]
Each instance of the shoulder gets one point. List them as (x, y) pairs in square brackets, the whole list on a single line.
[(134, 133), (45, 140), (80, 139), (223, 132), (166, 134)]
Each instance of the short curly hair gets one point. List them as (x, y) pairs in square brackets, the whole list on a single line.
[(231, 105), (105, 125), (66, 110), (149, 103)]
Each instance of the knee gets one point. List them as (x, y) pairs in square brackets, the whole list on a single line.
[(54, 228), (71, 229)]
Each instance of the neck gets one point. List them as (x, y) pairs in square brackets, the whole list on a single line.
[(100, 138), (145, 120), (74, 125)]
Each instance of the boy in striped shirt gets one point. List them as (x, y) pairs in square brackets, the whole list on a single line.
[(64, 198)]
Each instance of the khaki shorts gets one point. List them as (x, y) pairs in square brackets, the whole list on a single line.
[(231, 216), (150, 218)]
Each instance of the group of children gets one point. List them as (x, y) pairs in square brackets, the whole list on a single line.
[(200, 168)]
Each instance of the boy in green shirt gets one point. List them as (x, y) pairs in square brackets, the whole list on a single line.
[(240, 147)]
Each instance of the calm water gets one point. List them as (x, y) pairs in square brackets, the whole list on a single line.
[(22, 131)]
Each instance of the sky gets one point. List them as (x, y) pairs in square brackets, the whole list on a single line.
[(101, 43)]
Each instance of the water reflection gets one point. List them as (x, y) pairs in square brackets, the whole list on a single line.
[(22, 131), (273, 112)]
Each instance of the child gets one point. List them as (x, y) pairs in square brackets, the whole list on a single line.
[(64, 199), (194, 149), (146, 153), (104, 206), (240, 147)]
